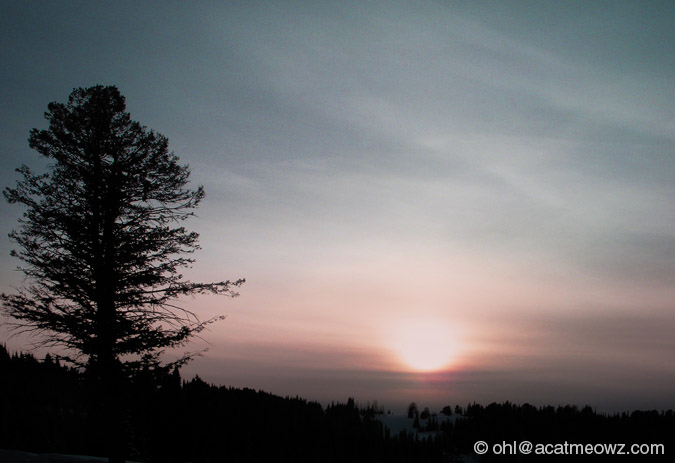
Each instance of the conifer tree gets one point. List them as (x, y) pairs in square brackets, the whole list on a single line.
[(102, 242)]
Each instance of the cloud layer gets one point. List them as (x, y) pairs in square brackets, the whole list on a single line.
[(504, 171)]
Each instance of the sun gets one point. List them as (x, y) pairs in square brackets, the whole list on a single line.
[(425, 345)]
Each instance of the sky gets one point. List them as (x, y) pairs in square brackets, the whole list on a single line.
[(439, 202)]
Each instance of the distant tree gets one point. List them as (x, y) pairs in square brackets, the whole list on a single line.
[(432, 423), (425, 413), (412, 410), (447, 410), (102, 243), (416, 422)]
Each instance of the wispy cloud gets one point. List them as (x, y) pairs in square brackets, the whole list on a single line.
[(506, 170)]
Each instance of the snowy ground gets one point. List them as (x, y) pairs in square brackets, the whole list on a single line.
[(398, 423), (395, 423), (15, 456)]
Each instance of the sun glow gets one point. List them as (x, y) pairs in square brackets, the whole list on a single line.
[(425, 345)]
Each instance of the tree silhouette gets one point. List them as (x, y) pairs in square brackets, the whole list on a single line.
[(412, 409), (102, 244)]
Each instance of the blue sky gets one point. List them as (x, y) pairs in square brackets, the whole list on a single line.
[(501, 170)]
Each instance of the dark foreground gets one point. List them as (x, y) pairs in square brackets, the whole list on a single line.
[(44, 410), (17, 456)]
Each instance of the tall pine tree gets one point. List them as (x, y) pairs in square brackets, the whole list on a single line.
[(101, 241)]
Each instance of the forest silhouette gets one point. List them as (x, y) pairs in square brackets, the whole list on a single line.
[(44, 408)]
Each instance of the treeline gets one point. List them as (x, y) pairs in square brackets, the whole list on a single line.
[(508, 423), (45, 407)]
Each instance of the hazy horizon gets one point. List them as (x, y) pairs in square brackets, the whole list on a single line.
[(440, 202)]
